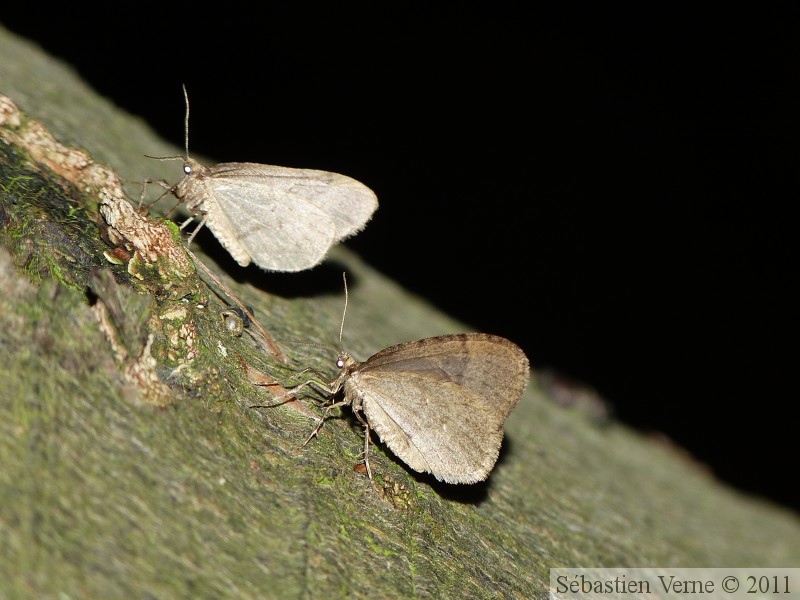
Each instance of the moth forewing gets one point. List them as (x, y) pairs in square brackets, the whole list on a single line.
[(493, 367), (220, 224), (451, 429), (284, 233), (340, 190)]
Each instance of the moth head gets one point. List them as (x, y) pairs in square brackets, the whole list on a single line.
[(192, 168), (344, 360)]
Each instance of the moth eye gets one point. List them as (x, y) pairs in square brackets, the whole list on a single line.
[(339, 363), (187, 169)]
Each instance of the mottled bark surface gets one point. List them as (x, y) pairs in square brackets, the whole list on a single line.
[(133, 467)]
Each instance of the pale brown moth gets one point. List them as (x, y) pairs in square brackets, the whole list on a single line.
[(280, 218), (440, 403)]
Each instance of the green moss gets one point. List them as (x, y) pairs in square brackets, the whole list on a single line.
[(45, 223), (174, 229)]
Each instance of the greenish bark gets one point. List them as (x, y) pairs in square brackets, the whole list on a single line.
[(132, 465)]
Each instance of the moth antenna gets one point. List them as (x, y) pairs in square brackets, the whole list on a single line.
[(305, 343), (185, 134), (186, 121), (164, 157), (344, 312)]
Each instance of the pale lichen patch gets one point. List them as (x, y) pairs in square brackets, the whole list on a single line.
[(73, 164), (157, 258)]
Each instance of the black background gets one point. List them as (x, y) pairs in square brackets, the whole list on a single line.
[(612, 188)]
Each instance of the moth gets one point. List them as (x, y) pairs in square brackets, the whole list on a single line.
[(439, 404), (280, 218)]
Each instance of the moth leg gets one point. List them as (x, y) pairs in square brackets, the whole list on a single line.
[(366, 445), (283, 398), (164, 185), (325, 387), (366, 454), (144, 189), (307, 383), (311, 383), (196, 230), (324, 416), (183, 225), (290, 394)]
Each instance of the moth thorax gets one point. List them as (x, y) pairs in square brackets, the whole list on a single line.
[(353, 394)]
